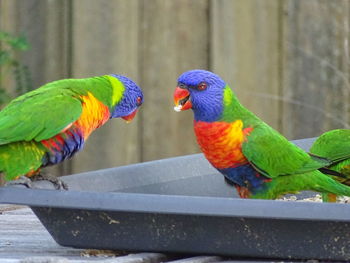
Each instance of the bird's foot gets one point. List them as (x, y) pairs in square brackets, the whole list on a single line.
[(58, 183), (22, 180)]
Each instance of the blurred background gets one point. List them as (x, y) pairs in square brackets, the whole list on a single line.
[(287, 60)]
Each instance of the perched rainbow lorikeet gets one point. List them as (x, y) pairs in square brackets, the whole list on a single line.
[(335, 146), (259, 161), (50, 124)]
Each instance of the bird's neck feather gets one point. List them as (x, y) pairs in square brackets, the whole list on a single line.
[(94, 114), (107, 89), (233, 110)]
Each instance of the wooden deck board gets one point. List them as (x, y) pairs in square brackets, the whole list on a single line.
[(24, 239), (22, 235)]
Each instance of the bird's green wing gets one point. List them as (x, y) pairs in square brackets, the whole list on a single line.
[(273, 155), (39, 114), (333, 145)]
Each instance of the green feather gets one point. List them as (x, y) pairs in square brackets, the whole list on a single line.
[(335, 146), (274, 154), (315, 181), (19, 158), (37, 115)]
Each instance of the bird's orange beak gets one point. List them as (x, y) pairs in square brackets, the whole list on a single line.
[(182, 99), (130, 117)]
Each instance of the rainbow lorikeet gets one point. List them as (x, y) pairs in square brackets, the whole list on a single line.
[(335, 146), (255, 158), (50, 124)]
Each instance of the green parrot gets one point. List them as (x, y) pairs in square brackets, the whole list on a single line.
[(254, 157), (50, 124), (335, 146)]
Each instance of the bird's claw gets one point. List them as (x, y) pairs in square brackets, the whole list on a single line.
[(29, 182), (58, 183), (22, 180)]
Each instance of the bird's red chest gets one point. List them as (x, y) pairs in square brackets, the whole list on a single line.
[(221, 142)]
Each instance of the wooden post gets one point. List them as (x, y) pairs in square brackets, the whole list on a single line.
[(315, 67), (174, 38), (245, 51)]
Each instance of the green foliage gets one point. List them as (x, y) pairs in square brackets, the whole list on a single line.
[(10, 46)]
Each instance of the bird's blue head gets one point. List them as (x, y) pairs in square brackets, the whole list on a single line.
[(202, 91), (132, 99)]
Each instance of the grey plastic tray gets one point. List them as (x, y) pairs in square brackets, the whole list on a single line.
[(183, 205)]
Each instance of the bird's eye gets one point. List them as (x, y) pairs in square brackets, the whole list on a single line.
[(138, 101), (202, 86), (181, 86)]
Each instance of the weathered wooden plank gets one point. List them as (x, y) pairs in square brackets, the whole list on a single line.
[(245, 52), (105, 40), (10, 208), (8, 23), (7, 16), (46, 27), (24, 239), (31, 19), (17, 238), (198, 259), (174, 38), (315, 67)]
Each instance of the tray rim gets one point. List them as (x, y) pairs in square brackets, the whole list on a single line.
[(176, 204)]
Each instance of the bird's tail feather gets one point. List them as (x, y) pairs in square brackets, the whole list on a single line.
[(325, 184), (311, 181), (19, 158)]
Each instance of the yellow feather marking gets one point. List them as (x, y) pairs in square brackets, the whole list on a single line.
[(94, 115), (227, 97), (117, 89)]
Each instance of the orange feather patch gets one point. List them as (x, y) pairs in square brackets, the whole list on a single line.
[(221, 142), (94, 115)]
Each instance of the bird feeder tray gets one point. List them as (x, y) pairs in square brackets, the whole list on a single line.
[(183, 205)]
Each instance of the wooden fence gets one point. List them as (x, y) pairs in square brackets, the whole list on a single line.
[(288, 61)]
